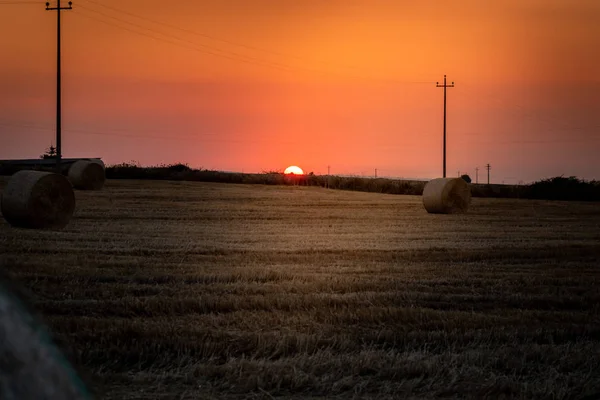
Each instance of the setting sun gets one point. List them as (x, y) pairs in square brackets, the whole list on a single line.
[(293, 170)]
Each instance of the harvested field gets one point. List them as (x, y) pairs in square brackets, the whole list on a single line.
[(184, 290)]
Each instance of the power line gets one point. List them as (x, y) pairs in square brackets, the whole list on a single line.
[(108, 133), (445, 85), (204, 136), (537, 142), (193, 32), (158, 137), (227, 54), (250, 47), (200, 48), (207, 136), (179, 44), (211, 51), (529, 114), (58, 10)]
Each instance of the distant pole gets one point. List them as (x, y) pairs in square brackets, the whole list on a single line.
[(488, 167), (476, 174), (328, 169), (437, 84), (375, 172), (58, 9)]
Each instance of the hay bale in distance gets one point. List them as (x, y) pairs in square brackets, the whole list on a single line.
[(447, 196), (87, 175), (97, 161), (38, 200)]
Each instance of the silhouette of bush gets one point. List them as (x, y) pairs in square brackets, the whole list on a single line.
[(133, 170), (179, 167), (558, 188), (124, 170), (498, 191), (561, 188)]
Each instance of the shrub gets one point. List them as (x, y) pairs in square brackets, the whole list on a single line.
[(561, 188), (558, 188)]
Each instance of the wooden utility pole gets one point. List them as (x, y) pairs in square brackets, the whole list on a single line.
[(476, 174), (58, 9), (488, 167), (445, 85), (375, 172)]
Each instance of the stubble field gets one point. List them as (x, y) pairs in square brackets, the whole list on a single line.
[(196, 290)]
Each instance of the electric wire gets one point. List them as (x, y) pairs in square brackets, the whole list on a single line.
[(190, 45), (233, 55), (243, 45), (186, 43)]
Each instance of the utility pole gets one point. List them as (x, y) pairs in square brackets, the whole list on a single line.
[(58, 9), (375, 172), (488, 167), (476, 174), (328, 169), (437, 84)]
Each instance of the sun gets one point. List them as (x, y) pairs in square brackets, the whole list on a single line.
[(292, 169)]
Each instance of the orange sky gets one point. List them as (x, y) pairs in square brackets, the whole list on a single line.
[(263, 84)]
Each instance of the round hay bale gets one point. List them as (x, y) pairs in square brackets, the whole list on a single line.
[(447, 196), (87, 175), (97, 161), (31, 366), (38, 200)]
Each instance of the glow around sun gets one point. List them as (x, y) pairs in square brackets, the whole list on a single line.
[(292, 169)]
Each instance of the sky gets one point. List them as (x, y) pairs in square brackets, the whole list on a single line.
[(258, 85)]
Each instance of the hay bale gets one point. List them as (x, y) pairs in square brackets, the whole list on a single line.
[(38, 200), (31, 365), (87, 175), (447, 196), (97, 161)]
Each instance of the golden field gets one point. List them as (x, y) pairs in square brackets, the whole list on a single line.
[(161, 289)]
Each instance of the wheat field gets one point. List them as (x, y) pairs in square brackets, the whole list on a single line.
[(183, 290)]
